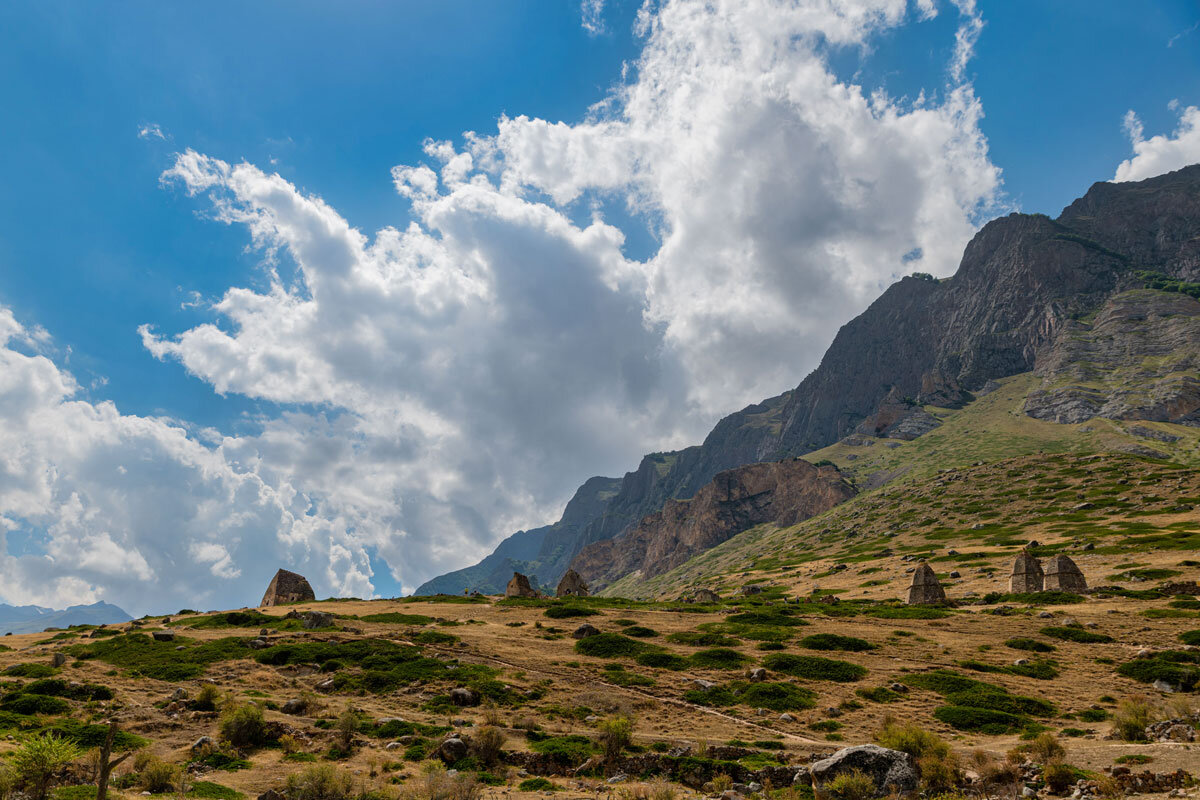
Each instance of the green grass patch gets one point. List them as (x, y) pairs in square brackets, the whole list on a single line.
[(767, 694), (569, 611), (880, 694), (568, 751), (1180, 668), (660, 659), (396, 618), (833, 641), (814, 667), (717, 658), (703, 639), (1079, 635), (1030, 645)]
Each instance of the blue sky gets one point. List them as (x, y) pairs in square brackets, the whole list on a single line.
[(99, 103)]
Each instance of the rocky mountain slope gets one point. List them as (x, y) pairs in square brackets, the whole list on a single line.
[(736, 500), (1027, 289)]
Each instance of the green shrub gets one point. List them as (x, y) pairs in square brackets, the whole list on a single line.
[(242, 726), (29, 704), (993, 723), (610, 645), (910, 738), (1131, 717), (640, 632), (57, 687), (38, 760), (996, 698), (851, 785), (568, 611), (1032, 645), (814, 667), (615, 735), (880, 694), (487, 744), (1092, 715), (1059, 776), (536, 785), (30, 671), (157, 776), (394, 618), (207, 790), (319, 782), (435, 638), (702, 639), (1180, 668), (833, 641), (568, 751), (662, 660), (717, 658), (776, 696), (1190, 637), (1069, 634)]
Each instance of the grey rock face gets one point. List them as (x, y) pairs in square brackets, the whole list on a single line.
[(891, 770), (585, 630), (316, 619), (464, 697)]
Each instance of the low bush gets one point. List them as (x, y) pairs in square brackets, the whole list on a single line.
[(833, 641), (910, 738), (569, 751), (880, 694), (852, 785), (1131, 717), (616, 733), (1059, 777), (982, 720), (536, 785), (39, 759), (662, 660), (1032, 645), (155, 775), (30, 671), (320, 782), (1071, 634), (717, 658), (395, 618), (766, 694), (814, 667), (569, 611), (610, 645), (1180, 668), (486, 745), (702, 639), (640, 632), (1190, 637), (242, 726)]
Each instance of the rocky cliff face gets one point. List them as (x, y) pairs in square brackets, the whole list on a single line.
[(784, 492), (1138, 359), (1022, 282)]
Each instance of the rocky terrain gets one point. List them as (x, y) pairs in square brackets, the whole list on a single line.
[(1027, 297), (785, 492)]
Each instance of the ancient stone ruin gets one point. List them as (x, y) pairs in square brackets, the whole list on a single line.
[(1026, 574), (704, 596), (1063, 576), (519, 587), (571, 585), (287, 587), (925, 589)]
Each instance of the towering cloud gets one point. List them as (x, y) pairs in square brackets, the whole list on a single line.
[(455, 378)]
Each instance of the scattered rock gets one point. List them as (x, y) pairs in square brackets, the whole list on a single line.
[(452, 750), (163, 636), (891, 770), (585, 630), (312, 620), (756, 675), (464, 697)]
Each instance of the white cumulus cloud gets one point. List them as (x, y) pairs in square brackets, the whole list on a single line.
[(454, 378), (1160, 154)]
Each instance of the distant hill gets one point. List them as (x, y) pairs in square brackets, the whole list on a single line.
[(31, 619)]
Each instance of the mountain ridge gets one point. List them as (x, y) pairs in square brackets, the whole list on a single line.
[(1022, 280)]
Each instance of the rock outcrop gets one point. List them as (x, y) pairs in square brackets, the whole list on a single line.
[(1026, 574), (925, 589), (1139, 359), (1062, 575), (571, 585), (783, 493), (287, 587), (518, 586), (892, 771)]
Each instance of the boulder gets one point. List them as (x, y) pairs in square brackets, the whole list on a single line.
[(312, 620), (287, 587), (296, 705), (571, 585), (756, 675), (452, 750), (58, 659), (519, 586), (1063, 575), (891, 770), (163, 636), (1026, 574), (925, 589), (704, 596), (463, 696), (585, 630)]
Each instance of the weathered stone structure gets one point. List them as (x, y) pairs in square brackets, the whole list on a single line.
[(287, 587), (1026, 575), (925, 589), (519, 586), (703, 596), (571, 585), (1062, 575)]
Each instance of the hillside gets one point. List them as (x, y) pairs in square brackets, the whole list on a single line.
[(1025, 298)]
